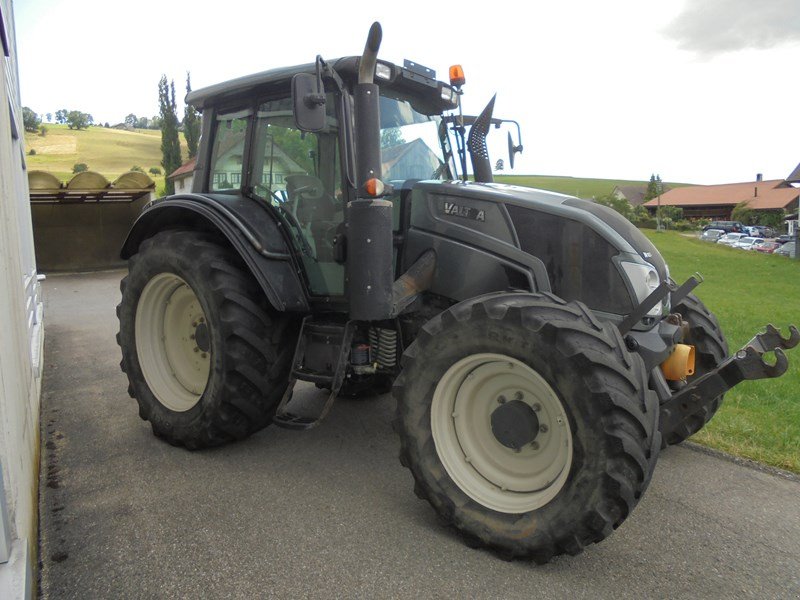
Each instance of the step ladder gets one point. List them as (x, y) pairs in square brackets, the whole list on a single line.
[(325, 339)]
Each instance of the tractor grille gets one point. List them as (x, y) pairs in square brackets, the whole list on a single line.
[(578, 260)]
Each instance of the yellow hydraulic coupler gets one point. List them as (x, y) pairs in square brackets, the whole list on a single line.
[(680, 363)]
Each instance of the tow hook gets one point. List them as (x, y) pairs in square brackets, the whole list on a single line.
[(747, 363)]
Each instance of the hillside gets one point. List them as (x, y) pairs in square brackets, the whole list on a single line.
[(110, 152), (574, 186)]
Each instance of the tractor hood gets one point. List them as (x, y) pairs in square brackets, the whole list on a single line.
[(606, 222)]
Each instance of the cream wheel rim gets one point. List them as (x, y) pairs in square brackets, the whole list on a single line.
[(173, 342), (505, 479)]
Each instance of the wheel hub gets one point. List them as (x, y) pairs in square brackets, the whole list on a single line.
[(501, 432), (201, 337), (515, 424), (173, 342)]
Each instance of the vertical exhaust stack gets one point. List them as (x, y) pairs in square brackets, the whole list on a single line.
[(370, 272), (476, 143)]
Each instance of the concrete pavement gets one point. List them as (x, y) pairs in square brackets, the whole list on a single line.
[(331, 513)]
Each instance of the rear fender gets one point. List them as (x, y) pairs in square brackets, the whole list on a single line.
[(250, 228)]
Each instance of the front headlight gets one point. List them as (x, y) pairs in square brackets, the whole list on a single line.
[(644, 280)]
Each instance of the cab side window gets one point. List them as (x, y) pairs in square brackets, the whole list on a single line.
[(227, 155)]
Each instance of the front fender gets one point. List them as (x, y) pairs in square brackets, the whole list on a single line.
[(250, 228)]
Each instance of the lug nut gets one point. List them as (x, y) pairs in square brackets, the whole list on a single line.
[(204, 355), (543, 428), (518, 396), (191, 337), (535, 445), (536, 407), (501, 399), (196, 349)]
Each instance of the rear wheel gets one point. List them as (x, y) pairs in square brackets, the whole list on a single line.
[(526, 424), (711, 348), (206, 358)]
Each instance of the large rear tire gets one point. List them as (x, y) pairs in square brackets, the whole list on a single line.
[(711, 349), (482, 367), (206, 358)]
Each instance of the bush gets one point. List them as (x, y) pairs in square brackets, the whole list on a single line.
[(137, 168), (31, 152), (154, 171), (80, 167), (684, 225), (42, 130)]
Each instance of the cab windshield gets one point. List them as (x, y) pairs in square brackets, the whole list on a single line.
[(411, 147)]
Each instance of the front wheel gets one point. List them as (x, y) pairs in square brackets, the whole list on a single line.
[(206, 358), (711, 349), (526, 424)]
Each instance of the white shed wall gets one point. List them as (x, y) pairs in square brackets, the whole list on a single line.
[(21, 337)]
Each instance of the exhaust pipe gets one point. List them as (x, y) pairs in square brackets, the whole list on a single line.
[(476, 144), (370, 272)]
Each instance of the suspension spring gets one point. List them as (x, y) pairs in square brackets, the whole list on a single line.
[(384, 346)]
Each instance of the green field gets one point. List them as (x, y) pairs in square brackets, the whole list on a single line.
[(574, 186), (759, 419), (110, 152)]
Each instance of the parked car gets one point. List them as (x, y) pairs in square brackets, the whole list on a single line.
[(746, 242), (763, 231), (788, 249), (726, 226), (782, 239), (711, 235), (768, 247), (729, 239)]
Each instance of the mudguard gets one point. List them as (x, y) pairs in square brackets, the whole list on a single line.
[(250, 227)]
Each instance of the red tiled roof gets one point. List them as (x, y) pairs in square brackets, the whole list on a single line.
[(185, 169), (758, 195)]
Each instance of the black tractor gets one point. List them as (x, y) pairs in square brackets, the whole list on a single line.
[(539, 352)]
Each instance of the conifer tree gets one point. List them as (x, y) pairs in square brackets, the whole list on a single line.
[(191, 123), (170, 144)]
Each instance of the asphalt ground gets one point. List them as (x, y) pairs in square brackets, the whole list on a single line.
[(330, 512)]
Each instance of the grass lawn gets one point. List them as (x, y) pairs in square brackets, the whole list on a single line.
[(747, 290), (574, 186), (110, 152)]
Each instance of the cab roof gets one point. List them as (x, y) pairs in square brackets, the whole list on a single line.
[(405, 81)]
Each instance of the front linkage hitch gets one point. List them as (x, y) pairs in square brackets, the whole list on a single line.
[(747, 363)]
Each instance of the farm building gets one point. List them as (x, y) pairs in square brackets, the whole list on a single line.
[(718, 201), (183, 176), (634, 194)]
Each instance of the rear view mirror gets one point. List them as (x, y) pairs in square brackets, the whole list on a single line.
[(308, 100)]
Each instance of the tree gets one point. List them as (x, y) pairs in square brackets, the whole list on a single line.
[(654, 188), (170, 144), (142, 123), (78, 120), (621, 205), (61, 116), (30, 120), (499, 165), (154, 171), (130, 120), (137, 169), (391, 136), (80, 167), (49, 117), (191, 123), (742, 212)]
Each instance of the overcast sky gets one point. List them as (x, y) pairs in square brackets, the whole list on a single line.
[(700, 91)]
